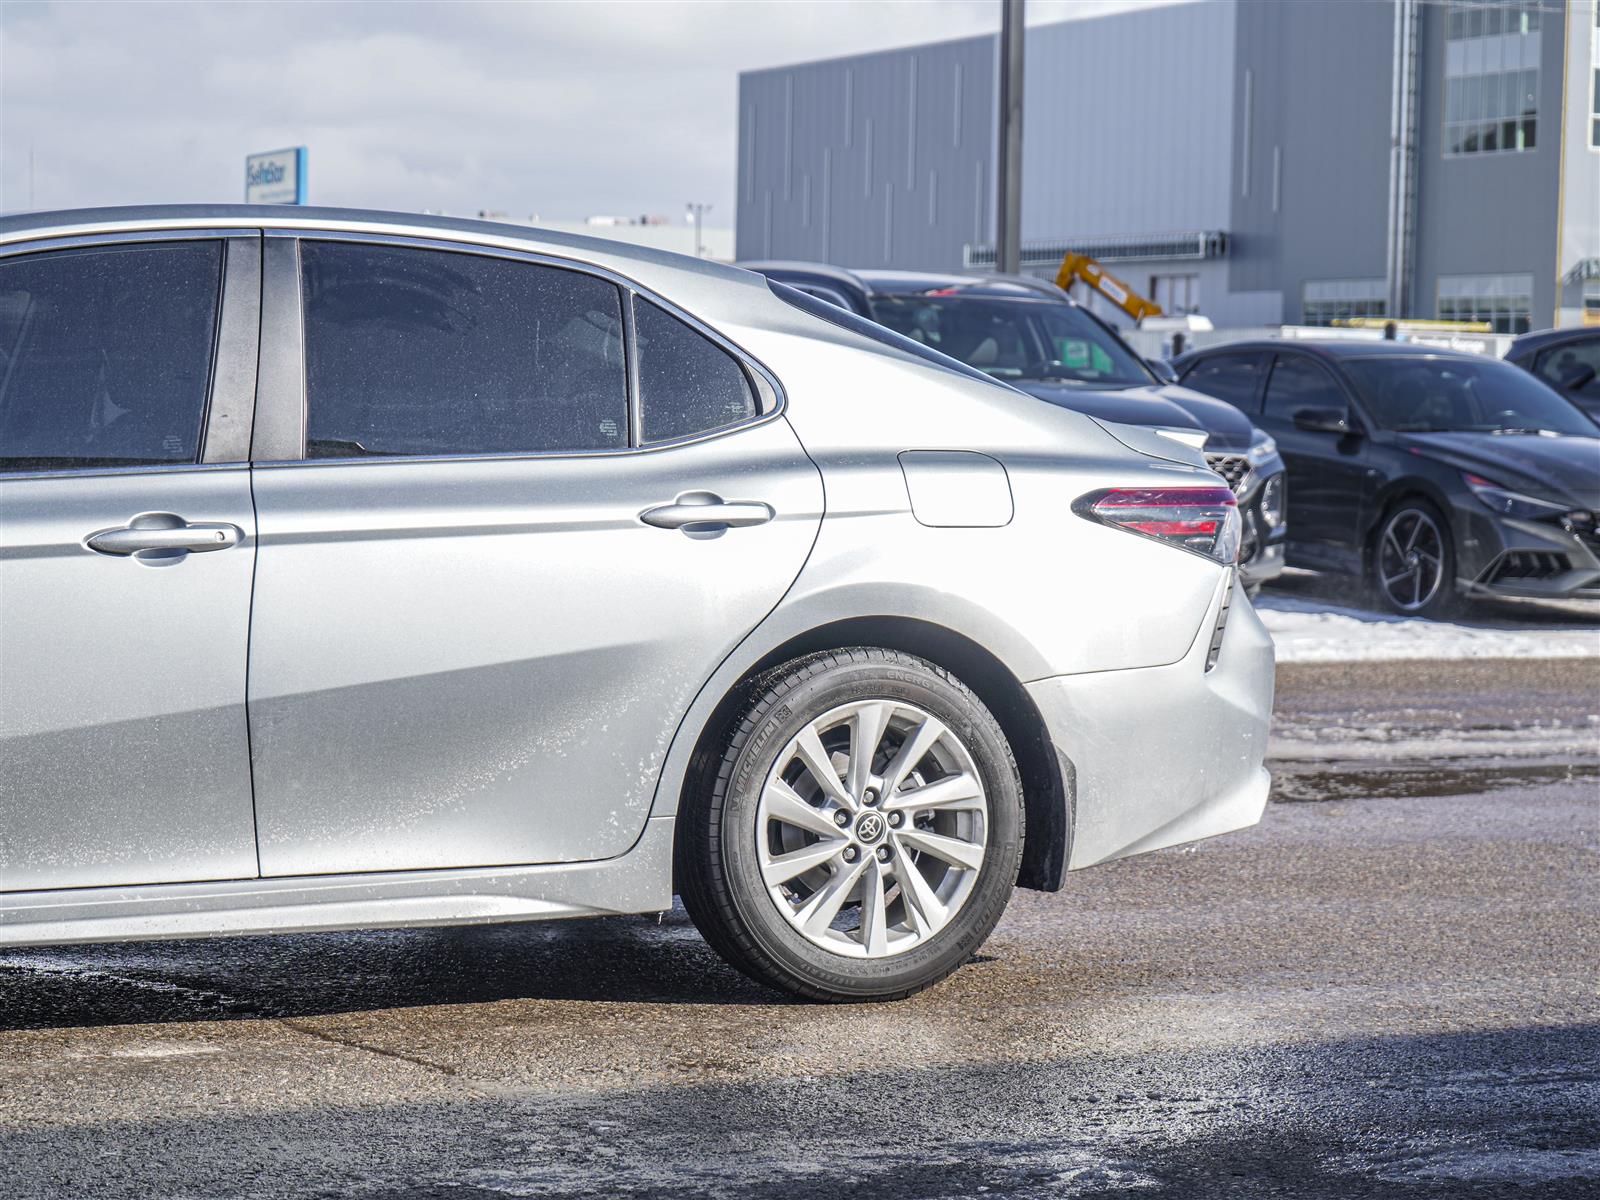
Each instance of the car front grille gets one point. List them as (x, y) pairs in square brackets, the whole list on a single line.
[(1515, 566), (1232, 467)]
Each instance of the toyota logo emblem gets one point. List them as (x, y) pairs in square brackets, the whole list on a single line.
[(870, 827)]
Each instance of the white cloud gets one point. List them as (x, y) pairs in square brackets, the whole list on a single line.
[(561, 107)]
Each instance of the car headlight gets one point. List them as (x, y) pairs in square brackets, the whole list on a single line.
[(1262, 448), (1270, 505), (1512, 504)]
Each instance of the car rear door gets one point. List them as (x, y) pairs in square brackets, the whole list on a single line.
[(127, 547), (511, 518)]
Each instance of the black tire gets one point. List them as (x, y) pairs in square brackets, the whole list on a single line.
[(1416, 524), (719, 875)]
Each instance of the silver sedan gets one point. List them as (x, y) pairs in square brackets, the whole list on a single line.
[(361, 570)]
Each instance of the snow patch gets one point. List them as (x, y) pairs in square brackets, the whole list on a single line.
[(1312, 631)]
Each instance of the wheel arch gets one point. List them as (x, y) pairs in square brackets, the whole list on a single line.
[(1395, 493), (1047, 775)]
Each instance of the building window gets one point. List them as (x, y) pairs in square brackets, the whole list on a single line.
[(1330, 301), (1594, 102), (1504, 302), (1176, 294), (1491, 97)]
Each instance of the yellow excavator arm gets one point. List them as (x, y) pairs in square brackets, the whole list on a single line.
[(1080, 266)]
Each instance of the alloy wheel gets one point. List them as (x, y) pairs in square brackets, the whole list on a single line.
[(871, 828), (1411, 558)]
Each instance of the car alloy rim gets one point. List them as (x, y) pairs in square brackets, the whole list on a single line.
[(871, 828), (1411, 559)]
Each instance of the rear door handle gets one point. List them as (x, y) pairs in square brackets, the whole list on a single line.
[(164, 533), (706, 514)]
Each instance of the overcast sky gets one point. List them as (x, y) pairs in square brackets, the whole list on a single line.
[(565, 109)]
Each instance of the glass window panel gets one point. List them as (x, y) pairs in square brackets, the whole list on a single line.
[(1527, 133), (105, 355), (412, 351), (687, 383)]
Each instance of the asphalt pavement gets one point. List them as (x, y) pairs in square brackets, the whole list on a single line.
[(1387, 989)]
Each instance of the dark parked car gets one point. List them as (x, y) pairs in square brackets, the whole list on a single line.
[(1567, 359), (1032, 335), (1433, 473)]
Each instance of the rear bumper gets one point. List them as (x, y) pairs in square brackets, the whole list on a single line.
[(1165, 755)]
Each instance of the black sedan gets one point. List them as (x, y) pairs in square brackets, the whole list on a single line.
[(1435, 474), (1031, 334), (1567, 359)]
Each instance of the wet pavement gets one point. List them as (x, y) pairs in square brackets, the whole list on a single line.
[(1387, 989)]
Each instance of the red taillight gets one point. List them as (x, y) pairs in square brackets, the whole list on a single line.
[(1203, 520)]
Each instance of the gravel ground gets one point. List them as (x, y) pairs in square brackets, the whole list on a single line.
[(1387, 989)]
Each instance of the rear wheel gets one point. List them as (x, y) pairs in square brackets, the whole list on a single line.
[(863, 832), (1413, 563)]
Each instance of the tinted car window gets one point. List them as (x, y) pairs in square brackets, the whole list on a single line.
[(871, 329), (687, 383), (1436, 395), (1561, 364), (1235, 378), (1297, 383), (412, 351), (105, 355), (1014, 339)]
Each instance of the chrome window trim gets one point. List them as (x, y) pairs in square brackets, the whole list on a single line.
[(234, 346), (769, 391), (147, 469), (201, 231)]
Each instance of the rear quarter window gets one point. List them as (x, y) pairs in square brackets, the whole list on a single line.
[(688, 384)]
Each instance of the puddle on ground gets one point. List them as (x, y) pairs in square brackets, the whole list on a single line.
[(1299, 783)]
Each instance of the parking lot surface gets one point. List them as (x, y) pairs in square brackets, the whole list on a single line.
[(1388, 988)]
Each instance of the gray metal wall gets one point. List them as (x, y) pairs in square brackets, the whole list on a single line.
[(876, 160), (1310, 161), (1264, 118), (1489, 214), (1126, 127)]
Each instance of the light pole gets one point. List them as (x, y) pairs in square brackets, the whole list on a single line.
[(1008, 181), (696, 213)]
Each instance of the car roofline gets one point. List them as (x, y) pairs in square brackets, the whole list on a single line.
[(93, 222)]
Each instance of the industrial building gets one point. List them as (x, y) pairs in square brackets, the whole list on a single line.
[(1259, 161)]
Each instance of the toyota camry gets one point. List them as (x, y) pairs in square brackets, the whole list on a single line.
[(364, 570)]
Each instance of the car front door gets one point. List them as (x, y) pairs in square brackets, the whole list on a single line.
[(127, 547), (1328, 475), (490, 586)]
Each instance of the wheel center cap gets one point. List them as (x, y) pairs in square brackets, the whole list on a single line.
[(870, 827), (1413, 558)]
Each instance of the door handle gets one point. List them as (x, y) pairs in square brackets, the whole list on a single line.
[(164, 534), (705, 514)]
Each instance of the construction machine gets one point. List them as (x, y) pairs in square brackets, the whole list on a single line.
[(1080, 266)]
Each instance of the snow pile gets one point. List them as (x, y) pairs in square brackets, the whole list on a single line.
[(1314, 631)]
